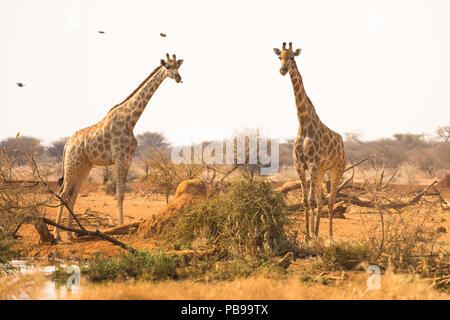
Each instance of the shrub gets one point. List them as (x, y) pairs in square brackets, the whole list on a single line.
[(249, 220), (343, 256), (142, 265), (163, 175), (6, 255), (109, 181), (408, 241)]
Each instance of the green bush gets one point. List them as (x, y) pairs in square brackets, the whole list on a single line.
[(142, 265), (343, 256), (211, 268), (250, 220), (6, 255)]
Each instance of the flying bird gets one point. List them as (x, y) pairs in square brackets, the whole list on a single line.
[(163, 35), (102, 32), (20, 84)]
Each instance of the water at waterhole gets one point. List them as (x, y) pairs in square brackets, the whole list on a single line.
[(50, 289)]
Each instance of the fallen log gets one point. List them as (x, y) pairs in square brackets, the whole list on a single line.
[(119, 230), (391, 205), (444, 203), (96, 233), (293, 185), (124, 229), (338, 209), (44, 234), (289, 186)]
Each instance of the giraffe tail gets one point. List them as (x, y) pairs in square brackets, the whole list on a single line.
[(61, 180)]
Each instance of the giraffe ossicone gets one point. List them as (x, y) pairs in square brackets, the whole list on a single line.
[(110, 141), (317, 148)]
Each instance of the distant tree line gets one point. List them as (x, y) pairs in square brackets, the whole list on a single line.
[(24, 144), (428, 154)]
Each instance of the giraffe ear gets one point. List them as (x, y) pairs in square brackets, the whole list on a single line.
[(297, 52), (277, 51), (180, 62), (163, 63)]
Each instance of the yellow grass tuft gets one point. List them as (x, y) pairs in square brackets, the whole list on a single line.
[(393, 287)]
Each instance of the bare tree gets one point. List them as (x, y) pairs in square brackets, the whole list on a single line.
[(443, 133), (25, 201), (17, 149), (56, 149), (149, 139), (352, 136), (164, 175)]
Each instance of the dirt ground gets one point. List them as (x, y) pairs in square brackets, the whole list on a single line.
[(99, 210), (139, 205)]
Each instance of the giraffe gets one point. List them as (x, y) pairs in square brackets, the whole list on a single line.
[(316, 150), (110, 141)]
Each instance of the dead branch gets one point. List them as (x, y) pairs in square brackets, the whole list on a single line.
[(293, 185), (124, 229), (289, 186), (44, 182), (44, 233), (380, 184), (82, 231), (368, 204), (96, 233), (359, 162), (228, 173), (346, 183), (391, 205), (390, 179), (444, 203), (338, 209)]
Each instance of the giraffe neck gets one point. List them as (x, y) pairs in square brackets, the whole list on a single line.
[(134, 105), (305, 109)]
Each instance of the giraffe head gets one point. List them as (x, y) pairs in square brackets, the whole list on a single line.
[(171, 67), (286, 57)]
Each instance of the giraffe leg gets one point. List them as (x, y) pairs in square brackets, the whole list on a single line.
[(65, 193), (71, 204), (319, 202), (336, 173), (302, 176), (84, 171), (69, 190), (65, 196), (312, 187), (121, 168)]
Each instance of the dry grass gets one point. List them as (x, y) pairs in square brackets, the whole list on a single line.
[(393, 287), (403, 239), (21, 287), (249, 220)]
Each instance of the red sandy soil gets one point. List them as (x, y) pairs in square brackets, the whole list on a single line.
[(139, 205)]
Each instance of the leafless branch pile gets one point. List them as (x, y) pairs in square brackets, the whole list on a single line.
[(25, 194), (378, 186)]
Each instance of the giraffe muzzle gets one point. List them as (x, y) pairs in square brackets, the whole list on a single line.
[(178, 79)]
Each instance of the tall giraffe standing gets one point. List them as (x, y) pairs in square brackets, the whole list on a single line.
[(110, 141), (316, 147)]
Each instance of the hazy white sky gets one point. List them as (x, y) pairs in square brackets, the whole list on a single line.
[(377, 67)]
